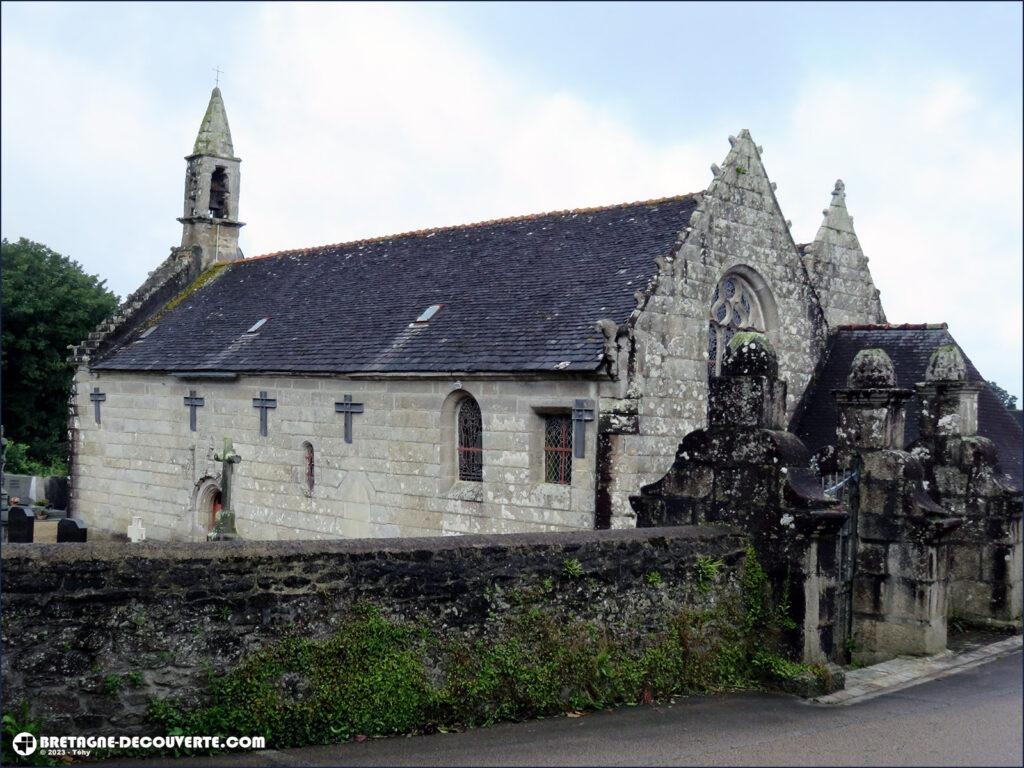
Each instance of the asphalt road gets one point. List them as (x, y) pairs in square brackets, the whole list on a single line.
[(970, 718)]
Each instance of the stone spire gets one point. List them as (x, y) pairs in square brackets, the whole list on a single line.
[(838, 267), (214, 134), (837, 218), (210, 220)]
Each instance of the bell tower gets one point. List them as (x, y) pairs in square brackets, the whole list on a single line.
[(210, 219)]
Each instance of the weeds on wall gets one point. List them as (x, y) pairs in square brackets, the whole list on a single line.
[(371, 678)]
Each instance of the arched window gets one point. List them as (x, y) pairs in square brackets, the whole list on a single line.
[(310, 466), (219, 193), (735, 306), (469, 426)]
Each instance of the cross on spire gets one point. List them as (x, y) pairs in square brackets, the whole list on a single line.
[(264, 403), (349, 408), (192, 402), (97, 397), (218, 70)]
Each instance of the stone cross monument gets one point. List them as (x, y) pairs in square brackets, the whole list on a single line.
[(224, 525)]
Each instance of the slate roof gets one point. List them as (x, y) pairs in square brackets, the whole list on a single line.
[(518, 295), (910, 347)]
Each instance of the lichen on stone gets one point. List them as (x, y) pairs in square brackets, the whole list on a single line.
[(872, 369), (202, 279), (946, 364), (750, 354)]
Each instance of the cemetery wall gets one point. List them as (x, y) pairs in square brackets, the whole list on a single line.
[(92, 633)]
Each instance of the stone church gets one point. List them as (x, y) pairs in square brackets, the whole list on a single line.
[(523, 374)]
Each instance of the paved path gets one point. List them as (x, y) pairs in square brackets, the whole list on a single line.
[(970, 718), (906, 671)]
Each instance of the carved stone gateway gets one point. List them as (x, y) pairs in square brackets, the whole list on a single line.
[(900, 558), (747, 471), (963, 473)]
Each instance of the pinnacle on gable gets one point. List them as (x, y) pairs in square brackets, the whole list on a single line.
[(837, 217), (214, 133)]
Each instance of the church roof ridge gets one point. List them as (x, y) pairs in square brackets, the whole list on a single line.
[(893, 327), (314, 250)]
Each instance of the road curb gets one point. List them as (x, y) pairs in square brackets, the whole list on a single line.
[(908, 671)]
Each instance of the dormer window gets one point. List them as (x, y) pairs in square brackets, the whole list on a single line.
[(219, 193)]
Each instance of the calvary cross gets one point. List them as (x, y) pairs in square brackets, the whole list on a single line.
[(349, 408), (97, 397), (264, 404), (192, 402), (582, 412)]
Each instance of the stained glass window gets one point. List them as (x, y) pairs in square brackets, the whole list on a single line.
[(470, 429), (558, 449)]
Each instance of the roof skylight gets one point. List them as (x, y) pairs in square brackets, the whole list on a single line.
[(258, 324), (428, 313)]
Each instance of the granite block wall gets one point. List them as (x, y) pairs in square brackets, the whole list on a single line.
[(398, 477)]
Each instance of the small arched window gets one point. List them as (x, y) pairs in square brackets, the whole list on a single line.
[(219, 193), (469, 426), (734, 307), (310, 461)]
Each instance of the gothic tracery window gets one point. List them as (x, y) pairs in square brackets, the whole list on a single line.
[(470, 434), (734, 307)]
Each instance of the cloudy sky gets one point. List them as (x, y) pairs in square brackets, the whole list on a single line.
[(358, 120)]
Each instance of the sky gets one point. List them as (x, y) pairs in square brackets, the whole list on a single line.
[(361, 120)]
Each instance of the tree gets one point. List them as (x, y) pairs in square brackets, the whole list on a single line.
[(1008, 400), (49, 302)]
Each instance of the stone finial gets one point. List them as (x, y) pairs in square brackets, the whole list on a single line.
[(750, 354), (872, 369), (946, 364), (214, 133), (837, 217)]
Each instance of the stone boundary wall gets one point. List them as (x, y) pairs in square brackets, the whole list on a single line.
[(92, 632)]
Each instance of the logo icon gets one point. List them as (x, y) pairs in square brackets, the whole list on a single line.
[(24, 744)]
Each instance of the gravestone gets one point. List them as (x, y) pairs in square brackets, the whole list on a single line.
[(69, 530), (55, 490), (20, 526), (21, 487), (136, 531)]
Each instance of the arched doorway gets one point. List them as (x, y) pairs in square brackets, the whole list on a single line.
[(208, 502)]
